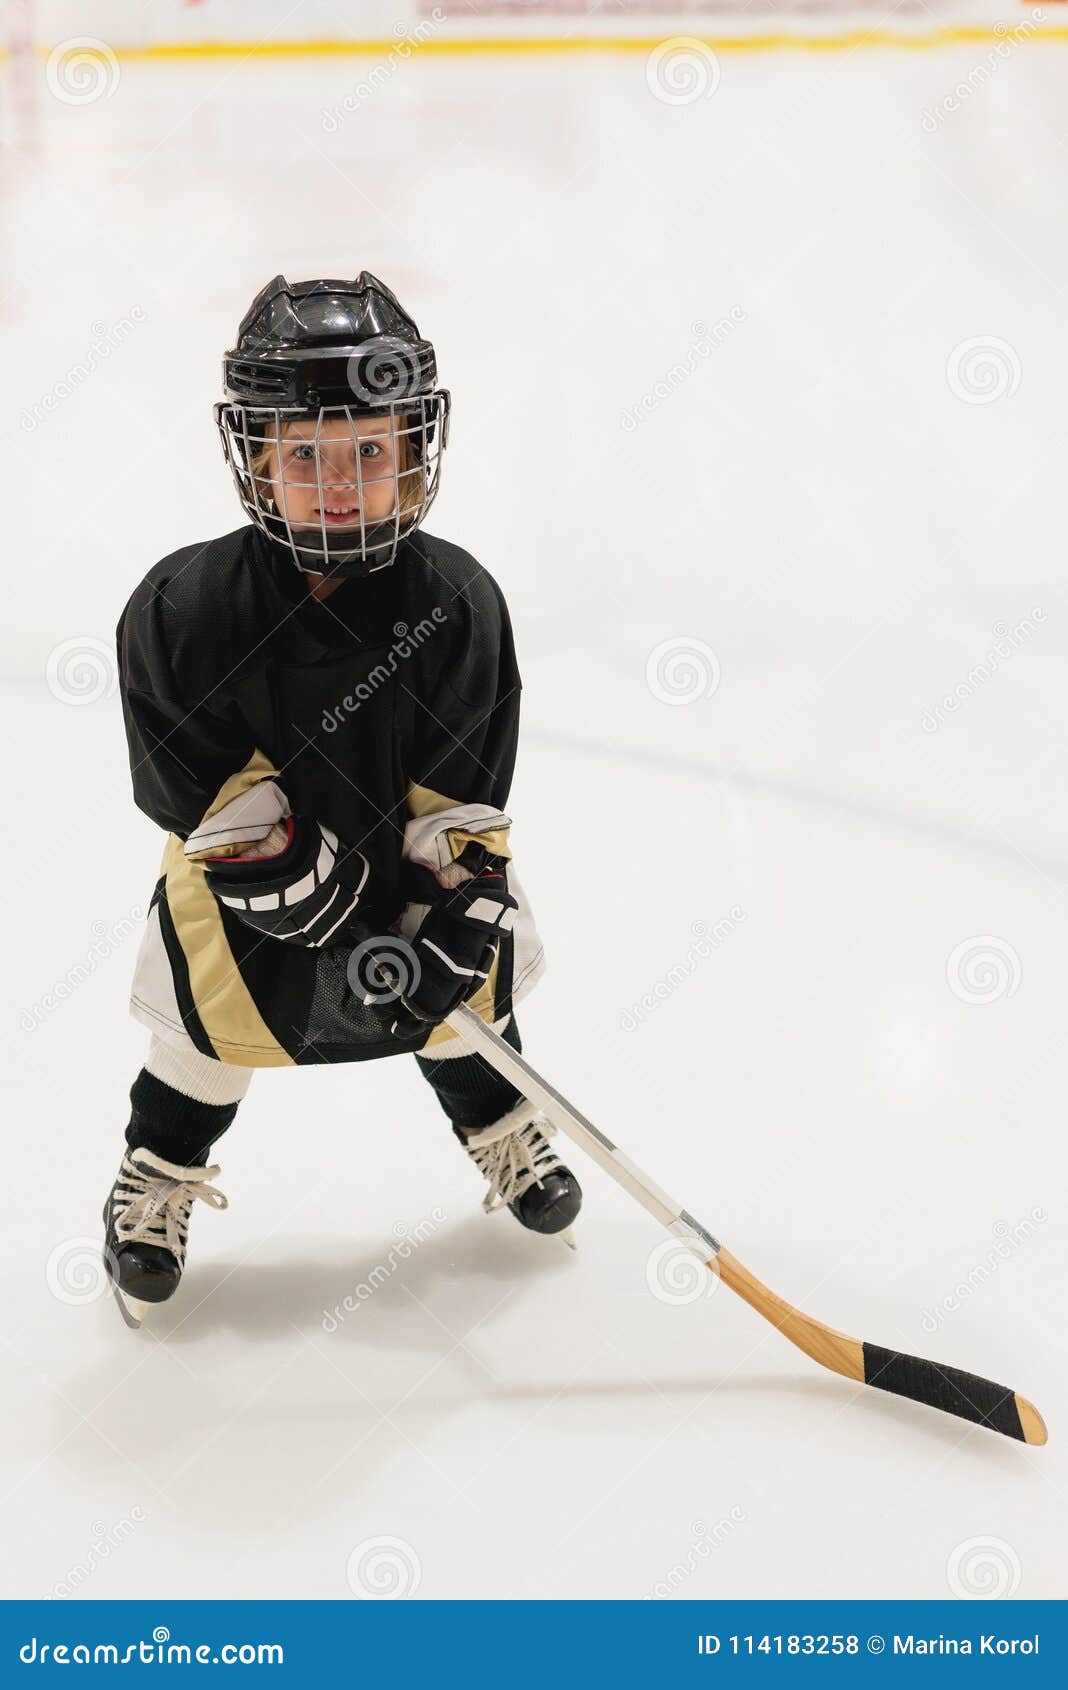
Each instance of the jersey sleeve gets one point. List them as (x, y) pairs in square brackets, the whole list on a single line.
[(184, 741), (466, 731)]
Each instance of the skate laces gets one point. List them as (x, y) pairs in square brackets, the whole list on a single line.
[(513, 1154), (161, 1197)]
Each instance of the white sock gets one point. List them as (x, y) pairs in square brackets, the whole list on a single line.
[(197, 1076)]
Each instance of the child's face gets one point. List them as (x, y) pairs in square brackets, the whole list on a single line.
[(302, 463)]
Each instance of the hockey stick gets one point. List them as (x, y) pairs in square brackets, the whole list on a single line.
[(947, 1388)]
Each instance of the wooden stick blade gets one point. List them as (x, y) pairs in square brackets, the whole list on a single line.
[(946, 1388)]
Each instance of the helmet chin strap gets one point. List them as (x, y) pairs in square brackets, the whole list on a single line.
[(304, 546), (339, 559)]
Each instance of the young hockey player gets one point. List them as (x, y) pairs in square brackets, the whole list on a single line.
[(322, 712)]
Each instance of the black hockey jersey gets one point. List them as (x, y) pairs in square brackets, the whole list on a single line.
[(388, 711)]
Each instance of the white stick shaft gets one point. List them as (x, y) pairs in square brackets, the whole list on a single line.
[(564, 1115)]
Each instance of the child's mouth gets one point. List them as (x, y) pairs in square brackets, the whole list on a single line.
[(337, 516)]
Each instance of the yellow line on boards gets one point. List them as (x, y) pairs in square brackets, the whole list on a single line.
[(847, 40)]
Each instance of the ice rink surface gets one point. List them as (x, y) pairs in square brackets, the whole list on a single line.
[(760, 422)]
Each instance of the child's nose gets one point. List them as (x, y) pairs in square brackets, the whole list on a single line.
[(341, 461)]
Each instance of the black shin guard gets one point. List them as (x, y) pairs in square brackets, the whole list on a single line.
[(172, 1125)]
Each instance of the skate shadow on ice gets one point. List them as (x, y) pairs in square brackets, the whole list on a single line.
[(238, 1401), (369, 1296), (258, 1395)]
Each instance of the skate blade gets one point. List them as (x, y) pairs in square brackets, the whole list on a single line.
[(133, 1312)]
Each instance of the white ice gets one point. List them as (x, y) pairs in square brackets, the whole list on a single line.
[(820, 501)]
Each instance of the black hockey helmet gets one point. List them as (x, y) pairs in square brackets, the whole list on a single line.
[(332, 423)]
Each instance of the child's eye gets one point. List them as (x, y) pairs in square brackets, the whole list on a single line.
[(305, 453), (369, 449)]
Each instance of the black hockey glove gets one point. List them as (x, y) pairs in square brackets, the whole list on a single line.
[(305, 894), (453, 946)]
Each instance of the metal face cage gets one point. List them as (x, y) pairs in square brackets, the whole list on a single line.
[(342, 486)]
